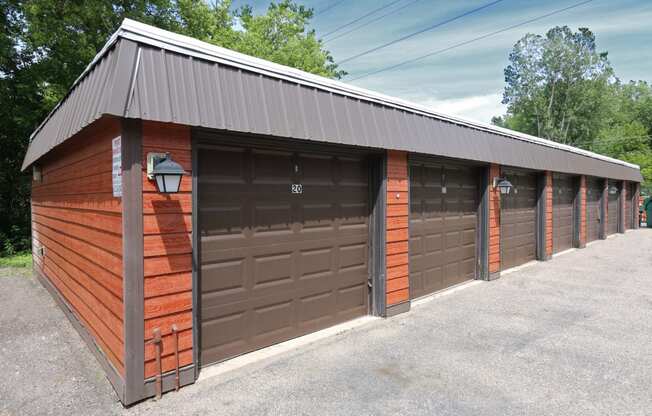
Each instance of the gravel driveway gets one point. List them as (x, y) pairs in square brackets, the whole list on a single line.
[(572, 336)]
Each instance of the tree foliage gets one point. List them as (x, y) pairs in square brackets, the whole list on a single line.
[(46, 44), (560, 87)]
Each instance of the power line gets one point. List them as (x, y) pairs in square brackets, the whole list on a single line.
[(361, 17), (371, 21), (392, 67), (327, 8), (418, 32)]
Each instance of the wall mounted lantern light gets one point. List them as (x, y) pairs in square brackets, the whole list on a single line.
[(613, 190), (166, 172), (503, 185)]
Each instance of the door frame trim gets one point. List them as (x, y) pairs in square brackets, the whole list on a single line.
[(577, 212), (377, 234), (482, 234), (196, 256)]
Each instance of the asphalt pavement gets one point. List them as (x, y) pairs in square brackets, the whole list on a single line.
[(571, 336)]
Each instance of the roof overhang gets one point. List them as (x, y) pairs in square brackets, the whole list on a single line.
[(120, 81)]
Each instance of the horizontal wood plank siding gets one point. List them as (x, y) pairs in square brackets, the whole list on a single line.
[(582, 219), (77, 226), (167, 226), (494, 221), (549, 219), (398, 286)]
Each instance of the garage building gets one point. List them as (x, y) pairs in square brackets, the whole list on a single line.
[(303, 202)]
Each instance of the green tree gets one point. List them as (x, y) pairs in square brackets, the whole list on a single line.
[(559, 87), (627, 133), (555, 86), (46, 44)]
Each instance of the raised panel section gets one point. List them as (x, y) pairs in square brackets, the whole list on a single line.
[(518, 220), (289, 262), (443, 225), (563, 198)]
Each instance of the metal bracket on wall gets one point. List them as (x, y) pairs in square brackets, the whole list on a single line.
[(157, 341)]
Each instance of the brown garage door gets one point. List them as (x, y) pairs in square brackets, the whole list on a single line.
[(279, 261), (594, 187), (613, 211), (518, 220), (563, 197), (443, 223)]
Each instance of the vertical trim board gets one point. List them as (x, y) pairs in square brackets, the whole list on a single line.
[(133, 247)]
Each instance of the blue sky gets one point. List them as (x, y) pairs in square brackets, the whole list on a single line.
[(468, 81)]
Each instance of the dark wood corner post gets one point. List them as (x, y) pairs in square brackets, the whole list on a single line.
[(482, 254), (622, 214), (196, 257), (637, 193), (378, 278), (132, 255), (604, 206)]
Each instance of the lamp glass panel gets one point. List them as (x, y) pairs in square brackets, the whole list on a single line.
[(172, 183), (160, 183)]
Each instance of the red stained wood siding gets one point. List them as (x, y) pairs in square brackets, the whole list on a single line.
[(583, 210), (548, 195), (77, 223), (167, 226), (494, 221), (398, 286)]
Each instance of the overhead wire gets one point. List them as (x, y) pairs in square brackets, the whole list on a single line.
[(327, 8), (371, 21), (420, 31), (356, 20), (457, 45)]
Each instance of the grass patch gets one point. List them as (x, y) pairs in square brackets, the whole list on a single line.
[(20, 260)]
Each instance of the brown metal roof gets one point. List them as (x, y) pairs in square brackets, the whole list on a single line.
[(151, 74)]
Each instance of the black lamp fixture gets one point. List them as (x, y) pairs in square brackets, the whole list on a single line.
[(613, 190), (503, 185), (166, 172)]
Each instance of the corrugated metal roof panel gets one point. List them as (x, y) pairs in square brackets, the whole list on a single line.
[(90, 98), (179, 79)]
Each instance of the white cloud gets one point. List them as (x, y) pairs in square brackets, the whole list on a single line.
[(479, 107)]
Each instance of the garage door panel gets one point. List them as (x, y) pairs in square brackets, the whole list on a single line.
[(452, 240), (288, 263), (562, 212), (353, 256), (270, 167), (224, 333), (594, 188), (433, 243), (229, 274), (442, 226), (518, 220)]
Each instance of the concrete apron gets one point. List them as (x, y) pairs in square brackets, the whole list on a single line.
[(272, 351)]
